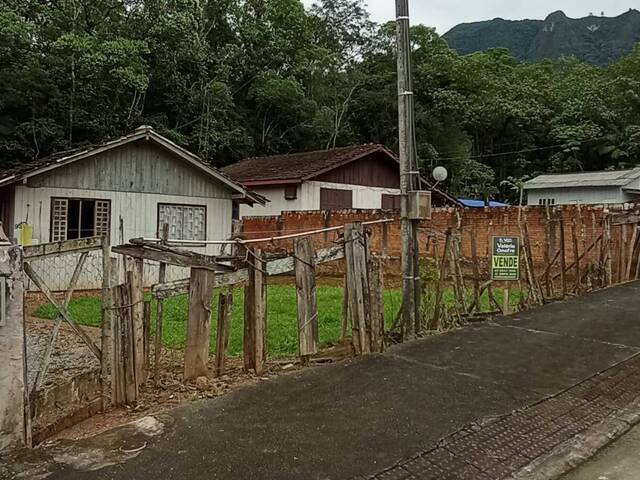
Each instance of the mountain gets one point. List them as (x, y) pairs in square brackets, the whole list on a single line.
[(596, 40)]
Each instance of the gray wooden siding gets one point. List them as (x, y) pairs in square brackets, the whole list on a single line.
[(375, 170), (140, 167)]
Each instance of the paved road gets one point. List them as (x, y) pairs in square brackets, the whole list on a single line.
[(362, 416), (619, 461)]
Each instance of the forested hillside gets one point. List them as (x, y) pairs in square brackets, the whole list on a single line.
[(234, 78), (598, 40)]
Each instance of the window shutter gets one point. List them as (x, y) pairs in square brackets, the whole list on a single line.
[(103, 218), (59, 219)]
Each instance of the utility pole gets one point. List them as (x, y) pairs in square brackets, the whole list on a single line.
[(409, 177)]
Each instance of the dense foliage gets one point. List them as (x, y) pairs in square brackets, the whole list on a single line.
[(233, 78)]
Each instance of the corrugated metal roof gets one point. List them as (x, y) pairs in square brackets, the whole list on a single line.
[(613, 178)]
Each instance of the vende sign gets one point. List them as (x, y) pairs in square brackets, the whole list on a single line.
[(505, 259)]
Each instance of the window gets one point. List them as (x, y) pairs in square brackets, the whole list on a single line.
[(73, 218), (334, 199), (390, 202), (186, 222), (290, 192), (547, 201)]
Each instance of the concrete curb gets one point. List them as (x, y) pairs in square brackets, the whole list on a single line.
[(569, 455)]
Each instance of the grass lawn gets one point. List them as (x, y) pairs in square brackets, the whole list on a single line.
[(282, 336)]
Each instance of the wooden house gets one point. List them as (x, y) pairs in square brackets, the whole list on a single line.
[(139, 181), (358, 177)]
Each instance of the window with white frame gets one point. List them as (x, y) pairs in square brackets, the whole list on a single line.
[(73, 218), (547, 201), (186, 222)]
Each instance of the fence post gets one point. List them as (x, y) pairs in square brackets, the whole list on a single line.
[(14, 397), (306, 298), (162, 276), (124, 385), (358, 286), (135, 279), (225, 306), (255, 313), (107, 319), (376, 284), (196, 355)]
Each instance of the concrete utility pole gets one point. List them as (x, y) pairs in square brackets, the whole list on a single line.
[(409, 176)]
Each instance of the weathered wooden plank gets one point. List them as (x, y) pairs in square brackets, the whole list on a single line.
[(162, 276), (124, 383), (625, 219), (182, 259), (358, 285), (196, 355), (147, 335), (225, 306), (376, 284), (274, 267), (62, 310), (306, 298), (255, 321), (135, 279), (632, 249), (107, 319), (80, 245)]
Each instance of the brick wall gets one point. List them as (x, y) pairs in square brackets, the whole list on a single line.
[(479, 223)]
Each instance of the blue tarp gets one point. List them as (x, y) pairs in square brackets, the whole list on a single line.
[(470, 203)]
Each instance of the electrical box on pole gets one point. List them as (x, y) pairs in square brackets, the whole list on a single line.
[(419, 205)]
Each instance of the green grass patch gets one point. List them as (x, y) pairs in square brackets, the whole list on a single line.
[(282, 336)]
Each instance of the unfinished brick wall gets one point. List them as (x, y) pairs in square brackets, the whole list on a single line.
[(481, 223)]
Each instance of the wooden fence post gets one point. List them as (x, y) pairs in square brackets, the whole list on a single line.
[(255, 314), (162, 274), (107, 319), (196, 355), (306, 298), (376, 285), (225, 306), (124, 385), (358, 286), (135, 278)]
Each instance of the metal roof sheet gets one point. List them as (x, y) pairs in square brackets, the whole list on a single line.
[(613, 178)]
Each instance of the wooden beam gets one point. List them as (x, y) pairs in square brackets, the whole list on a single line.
[(162, 276), (255, 313), (80, 245), (625, 219), (180, 259), (274, 267), (225, 307), (376, 302), (62, 310), (306, 298), (196, 354), (358, 286), (135, 279)]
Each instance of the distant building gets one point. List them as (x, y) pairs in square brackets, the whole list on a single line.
[(358, 177), (589, 188), (474, 203)]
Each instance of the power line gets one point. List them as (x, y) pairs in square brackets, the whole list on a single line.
[(514, 152)]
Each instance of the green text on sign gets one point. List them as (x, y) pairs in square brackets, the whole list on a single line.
[(505, 259)]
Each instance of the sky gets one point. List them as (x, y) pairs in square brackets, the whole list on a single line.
[(445, 14)]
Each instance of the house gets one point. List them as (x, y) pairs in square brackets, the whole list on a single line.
[(616, 186), (359, 177), (474, 203), (141, 181)]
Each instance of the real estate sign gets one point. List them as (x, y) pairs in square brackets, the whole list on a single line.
[(505, 259)]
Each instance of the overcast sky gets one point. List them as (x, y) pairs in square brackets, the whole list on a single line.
[(444, 14)]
